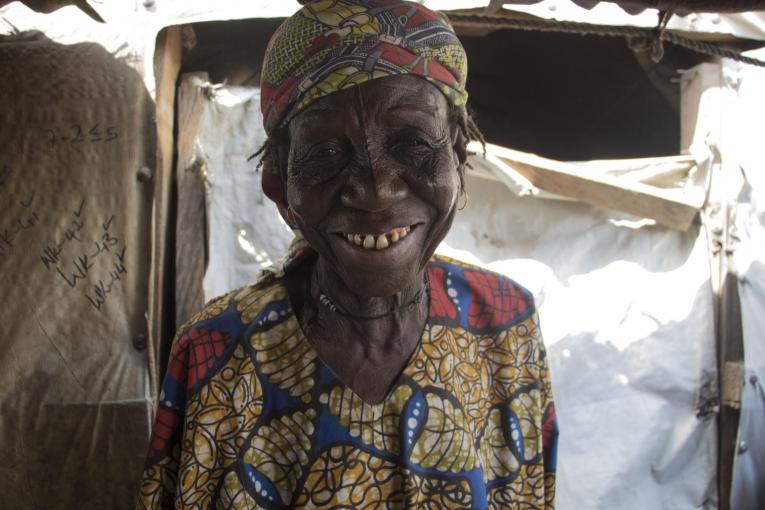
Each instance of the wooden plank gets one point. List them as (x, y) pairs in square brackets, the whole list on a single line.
[(668, 207), (706, 114), (730, 361), (190, 225), (700, 104), (167, 64)]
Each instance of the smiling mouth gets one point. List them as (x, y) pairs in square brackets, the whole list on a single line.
[(376, 242)]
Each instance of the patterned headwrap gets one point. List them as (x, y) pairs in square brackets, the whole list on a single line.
[(332, 44)]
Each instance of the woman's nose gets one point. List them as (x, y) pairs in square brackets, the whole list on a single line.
[(374, 185)]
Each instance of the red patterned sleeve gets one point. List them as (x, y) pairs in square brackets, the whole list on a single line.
[(549, 424), (157, 488), (193, 356)]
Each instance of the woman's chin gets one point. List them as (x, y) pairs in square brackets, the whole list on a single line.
[(372, 272)]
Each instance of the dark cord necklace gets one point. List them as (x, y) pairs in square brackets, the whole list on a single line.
[(325, 300)]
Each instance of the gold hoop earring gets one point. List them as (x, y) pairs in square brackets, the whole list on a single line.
[(467, 197)]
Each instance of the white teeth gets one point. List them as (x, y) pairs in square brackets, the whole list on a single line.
[(382, 242), (370, 242)]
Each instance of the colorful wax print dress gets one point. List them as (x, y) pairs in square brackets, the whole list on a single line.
[(250, 417)]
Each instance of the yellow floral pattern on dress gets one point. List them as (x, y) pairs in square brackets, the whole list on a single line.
[(446, 443), (531, 437), (427, 492), (374, 424), (286, 358), (452, 359), (497, 459), (158, 485), (527, 491), (251, 418), (250, 300), (234, 496), (280, 449), (512, 361), (345, 477), (218, 419), (213, 308)]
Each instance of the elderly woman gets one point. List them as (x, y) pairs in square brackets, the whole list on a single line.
[(363, 372)]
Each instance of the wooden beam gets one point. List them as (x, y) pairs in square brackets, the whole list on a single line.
[(700, 106), (668, 207), (685, 6), (730, 362), (710, 116), (167, 63), (190, 225)]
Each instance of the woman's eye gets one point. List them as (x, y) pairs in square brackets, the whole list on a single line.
[(326, 152), (412, 142)]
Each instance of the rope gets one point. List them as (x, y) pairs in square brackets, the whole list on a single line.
[(571, 27)]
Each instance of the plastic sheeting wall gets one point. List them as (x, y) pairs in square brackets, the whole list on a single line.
[(75, 405), (627, 314), (749, 474), (246, 231), (749, 256)]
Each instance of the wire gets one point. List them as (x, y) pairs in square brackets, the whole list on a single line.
[(571, 27)]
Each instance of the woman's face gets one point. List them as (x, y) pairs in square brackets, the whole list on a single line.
[(378, 163)]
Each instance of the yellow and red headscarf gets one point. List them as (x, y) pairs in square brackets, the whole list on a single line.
[(332, 44)]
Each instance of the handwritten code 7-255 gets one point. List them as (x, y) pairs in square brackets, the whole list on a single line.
[(81, 134)]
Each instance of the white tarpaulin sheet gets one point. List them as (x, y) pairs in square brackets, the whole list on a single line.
[(246, 231), (627, 314), (627, 317), (749, 473)]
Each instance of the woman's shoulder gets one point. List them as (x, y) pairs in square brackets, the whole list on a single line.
[(210, 337), (475, 298), (236, 311)]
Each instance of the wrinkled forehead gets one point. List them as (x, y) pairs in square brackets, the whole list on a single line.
[(386, 103), (394, 93)]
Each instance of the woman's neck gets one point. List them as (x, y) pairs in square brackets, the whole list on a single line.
[(365, 354), (336, 295)]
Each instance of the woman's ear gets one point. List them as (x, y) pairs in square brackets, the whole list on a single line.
[(274, 166), (459, 141), (459, 135), (459, 146), (282, 156)]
